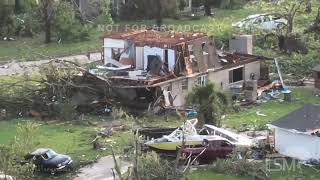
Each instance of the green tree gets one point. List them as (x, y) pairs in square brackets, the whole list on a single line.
[(6, 17), (105, 15), (10, 154), (212, 103), (47, 10), (25, 138), (6, 159), (289, 9), (67, 26), (149, 9)]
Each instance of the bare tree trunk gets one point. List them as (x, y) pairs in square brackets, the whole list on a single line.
[(159, 13), (47, 20), (207, 7), (290, 24)]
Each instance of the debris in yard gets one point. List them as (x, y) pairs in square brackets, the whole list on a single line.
[(261, 21), (97, 145), (260, 114), (105, 132)]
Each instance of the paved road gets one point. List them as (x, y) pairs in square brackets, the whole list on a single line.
[(13, 68), (100, 170)]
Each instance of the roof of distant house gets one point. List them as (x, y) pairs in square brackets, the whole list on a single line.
[(156, 38), (305, 119)]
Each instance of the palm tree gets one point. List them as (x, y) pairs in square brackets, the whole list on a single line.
[(212, 103)]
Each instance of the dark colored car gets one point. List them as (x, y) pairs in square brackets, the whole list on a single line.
[(209, 151), (47, 160)]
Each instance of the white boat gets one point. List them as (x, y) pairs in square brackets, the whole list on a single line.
[(171, 141), (191, 137)]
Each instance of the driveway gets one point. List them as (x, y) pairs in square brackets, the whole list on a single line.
[(15, 68), (101, 170)]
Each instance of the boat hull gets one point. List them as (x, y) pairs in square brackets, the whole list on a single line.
[(171, 146)]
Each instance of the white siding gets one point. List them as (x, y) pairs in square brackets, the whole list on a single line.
[(177, 93), (222, 77), (113, 43), (253, 67), (139, 58), (295, 145)]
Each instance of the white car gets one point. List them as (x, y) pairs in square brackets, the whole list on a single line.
[(261, 21)]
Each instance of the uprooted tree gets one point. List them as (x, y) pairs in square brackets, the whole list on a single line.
[(289, 41), (211, 103), (49, 95)]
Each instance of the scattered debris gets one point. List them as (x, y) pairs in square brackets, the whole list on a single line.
[(300, 126), (262, 21), (260, 114)]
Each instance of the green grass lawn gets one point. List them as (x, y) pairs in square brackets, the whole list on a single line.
[(273, 109), (67, 138), (298, 174), (32, 49), (208, 175)]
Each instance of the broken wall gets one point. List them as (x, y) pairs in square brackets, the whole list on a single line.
[(205, 54), (221, 77)]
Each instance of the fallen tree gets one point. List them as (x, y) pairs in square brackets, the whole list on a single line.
[(54, 93)]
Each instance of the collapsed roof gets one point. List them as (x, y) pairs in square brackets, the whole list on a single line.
[(156, 38)]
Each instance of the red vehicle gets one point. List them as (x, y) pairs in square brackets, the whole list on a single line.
[(209, 151)]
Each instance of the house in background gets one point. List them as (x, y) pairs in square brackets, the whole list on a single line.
[(297, 135), (143, 66)]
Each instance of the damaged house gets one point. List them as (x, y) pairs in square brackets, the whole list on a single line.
[(297, 135), (151, 69)]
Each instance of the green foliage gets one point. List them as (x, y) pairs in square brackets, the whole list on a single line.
[(212, 103), (182, 4), (68, 27), (6, 159), (241, 167), (151, 166), (232, 4), (105, 14), (147, 9), (223, 4), (27, 24), (11, 155), (25, 138), (6, 19)]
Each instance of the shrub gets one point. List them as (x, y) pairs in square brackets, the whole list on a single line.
[(241, 167), (151, 166)]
